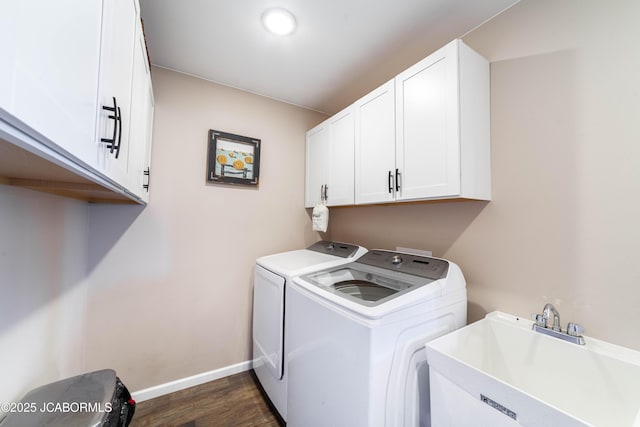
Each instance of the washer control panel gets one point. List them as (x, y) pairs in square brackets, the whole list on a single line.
[(431, 268), (343, 250)]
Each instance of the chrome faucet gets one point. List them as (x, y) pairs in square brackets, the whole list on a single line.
[(572, 334), (546, 311)]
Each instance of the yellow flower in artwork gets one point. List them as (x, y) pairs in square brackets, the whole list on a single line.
[(222, 159), (249, 160), (238, 164), (232, 154)]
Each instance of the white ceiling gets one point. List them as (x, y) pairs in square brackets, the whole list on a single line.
[(341, 50)]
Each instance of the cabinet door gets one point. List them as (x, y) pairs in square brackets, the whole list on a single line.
[(142, 107), (340, 161), (49, 72), (120, 19), (427, 127), (375, 146), (317, 155)]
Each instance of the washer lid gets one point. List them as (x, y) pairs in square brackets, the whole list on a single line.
[(365, 285), (364, 290)]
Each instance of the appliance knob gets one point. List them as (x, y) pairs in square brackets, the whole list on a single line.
[(330, 247), (396, 260)]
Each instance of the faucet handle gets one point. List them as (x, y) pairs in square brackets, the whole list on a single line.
[(541, 321), (574, 329)]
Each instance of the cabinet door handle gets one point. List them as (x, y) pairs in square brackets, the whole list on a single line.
[(397, 180), (390, 181), (113, 144), (326, 193), (147, 173), (119, 134), (115, 117)]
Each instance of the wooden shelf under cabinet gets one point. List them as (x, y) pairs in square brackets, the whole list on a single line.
[(21, 168)]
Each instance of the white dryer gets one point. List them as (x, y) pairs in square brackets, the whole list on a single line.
[(273, 274), (356, 336)]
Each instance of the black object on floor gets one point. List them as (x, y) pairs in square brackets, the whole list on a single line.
[(94, 399)]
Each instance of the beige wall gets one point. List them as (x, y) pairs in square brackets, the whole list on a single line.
[(563, 224), (171, 284), (43, 245)]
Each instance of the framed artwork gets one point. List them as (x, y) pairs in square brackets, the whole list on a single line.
[(233, 159)]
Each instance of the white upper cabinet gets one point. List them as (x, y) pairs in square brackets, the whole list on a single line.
[(49, 72), (339, 189), (375, 168), (330, 161), (442, 126), (75, 89), (140, 130), (425, 134), (317, 156), (119, 22)]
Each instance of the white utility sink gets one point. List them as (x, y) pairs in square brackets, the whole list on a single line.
[(498, 372)]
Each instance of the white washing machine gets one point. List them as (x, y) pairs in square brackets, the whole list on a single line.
[(272, 277), (356, 336)]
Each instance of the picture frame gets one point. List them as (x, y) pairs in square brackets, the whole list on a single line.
[(233, 159)]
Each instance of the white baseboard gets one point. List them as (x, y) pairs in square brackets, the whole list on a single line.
[(181, 384)]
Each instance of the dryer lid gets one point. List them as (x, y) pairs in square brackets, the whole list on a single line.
[(318, 256)]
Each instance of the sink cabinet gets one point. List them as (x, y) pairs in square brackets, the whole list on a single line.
[(330, 161), (499, 372)]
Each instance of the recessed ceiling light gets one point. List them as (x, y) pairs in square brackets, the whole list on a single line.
[(279, 21)]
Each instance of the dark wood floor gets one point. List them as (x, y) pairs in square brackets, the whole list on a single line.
[(228, 402)]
